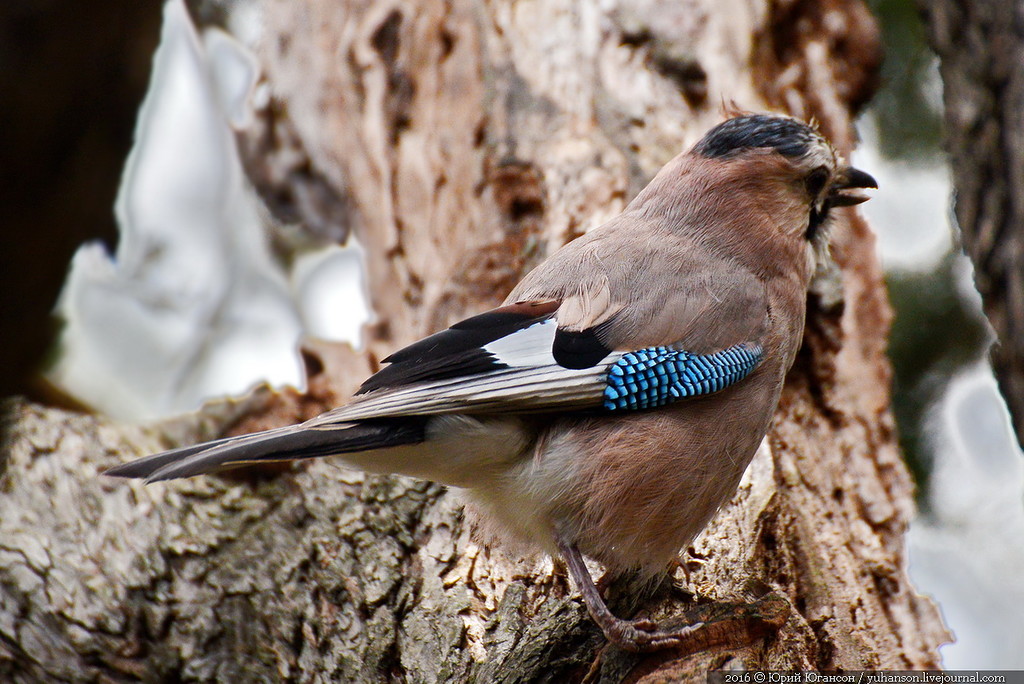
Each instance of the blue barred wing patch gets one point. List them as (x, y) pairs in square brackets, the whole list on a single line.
[(657, 376)]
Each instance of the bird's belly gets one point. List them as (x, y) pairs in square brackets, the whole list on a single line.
[(630, 492)]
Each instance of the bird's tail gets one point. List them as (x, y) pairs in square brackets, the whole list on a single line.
[(280, 444)]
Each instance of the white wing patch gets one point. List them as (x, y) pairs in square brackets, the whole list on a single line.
[(528, 347)]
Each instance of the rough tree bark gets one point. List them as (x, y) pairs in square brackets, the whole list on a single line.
[(981, 48), (462, 142)]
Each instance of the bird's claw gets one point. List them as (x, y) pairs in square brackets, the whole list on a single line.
[(641, 636)]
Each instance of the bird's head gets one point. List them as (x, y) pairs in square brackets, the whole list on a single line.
[(805, 165)]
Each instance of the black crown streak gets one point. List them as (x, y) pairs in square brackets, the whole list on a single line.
[(788, 137)]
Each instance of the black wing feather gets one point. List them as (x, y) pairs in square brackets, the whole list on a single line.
[(459, 350), (582, 349)]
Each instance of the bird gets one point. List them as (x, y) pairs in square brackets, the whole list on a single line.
[(609, 407)]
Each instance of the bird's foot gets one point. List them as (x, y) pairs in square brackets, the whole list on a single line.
[(641, 636), (632, 635), (705, 626), (715, 625)]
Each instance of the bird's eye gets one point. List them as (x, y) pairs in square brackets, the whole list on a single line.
[(815, 181)]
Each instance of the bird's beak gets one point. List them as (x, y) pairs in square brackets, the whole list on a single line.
[(849, 179)]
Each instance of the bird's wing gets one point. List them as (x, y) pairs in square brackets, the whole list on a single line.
[(513, 373), (604, 325), (629, 297), (519, 358)]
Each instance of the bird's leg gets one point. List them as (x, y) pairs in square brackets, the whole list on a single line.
[(681, 564), (637, 635), (709, 626)]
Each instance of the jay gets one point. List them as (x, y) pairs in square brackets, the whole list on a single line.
[(611, 405)]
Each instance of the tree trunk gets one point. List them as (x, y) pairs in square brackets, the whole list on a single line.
[(465, 141), (981, 47)]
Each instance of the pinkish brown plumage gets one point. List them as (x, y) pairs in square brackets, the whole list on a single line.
[(612, 405)]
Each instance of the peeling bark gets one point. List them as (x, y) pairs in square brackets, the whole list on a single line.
[(463, 142)]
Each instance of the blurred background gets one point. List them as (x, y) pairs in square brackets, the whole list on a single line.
[(68, 150), (966, 545)]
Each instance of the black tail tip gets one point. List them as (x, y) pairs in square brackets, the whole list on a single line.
[(127, 471)]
